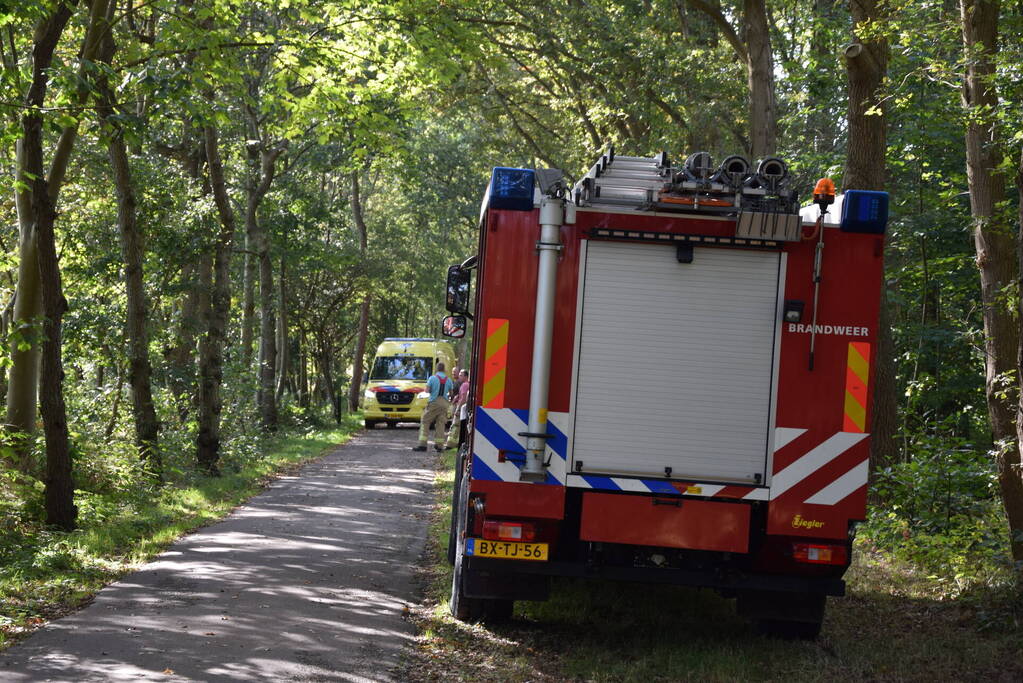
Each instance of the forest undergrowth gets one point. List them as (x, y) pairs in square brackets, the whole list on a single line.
[(127, 515)]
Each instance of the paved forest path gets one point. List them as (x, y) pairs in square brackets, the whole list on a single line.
[(305, 582)]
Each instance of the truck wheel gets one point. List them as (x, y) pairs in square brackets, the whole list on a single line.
[(788, 630), (391, 424), (776, 614), (463, 607), (496, 610), (455, 510), (370, 424)]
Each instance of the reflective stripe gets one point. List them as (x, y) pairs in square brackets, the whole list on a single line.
[(841, 487), (857, 372), (813, 461), (495, 363), (783, 436), (496, 431)]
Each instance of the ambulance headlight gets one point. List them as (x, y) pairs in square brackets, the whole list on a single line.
[(423, 394), (369, 393)]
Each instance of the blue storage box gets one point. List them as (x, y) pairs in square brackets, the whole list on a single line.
[(865, 211), (512, 188)]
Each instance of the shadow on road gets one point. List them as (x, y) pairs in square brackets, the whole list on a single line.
[(307, 581)]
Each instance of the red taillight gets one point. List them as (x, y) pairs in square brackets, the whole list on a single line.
[(814, 553), (508, 531)]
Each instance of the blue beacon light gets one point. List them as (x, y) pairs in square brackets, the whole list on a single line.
[(865, 211), (512, 188)]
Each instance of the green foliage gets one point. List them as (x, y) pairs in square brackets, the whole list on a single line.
[(942, 513)]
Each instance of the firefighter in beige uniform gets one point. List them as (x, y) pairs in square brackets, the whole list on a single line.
[(436, 411)]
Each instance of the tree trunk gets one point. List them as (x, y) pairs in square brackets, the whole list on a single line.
[(303, 371), (754, 50), (866, 64), (996, 251), (1010, 468), (866, 67), (282, 332), (211, 353), (23, 383), (204, 309), (760, 77), (267, 342), (324, 360), (355, 389), (262, 169), (147, 426), (44, 191), (250, 274)]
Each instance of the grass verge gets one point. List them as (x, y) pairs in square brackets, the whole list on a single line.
[(896, 624), (45, 574)]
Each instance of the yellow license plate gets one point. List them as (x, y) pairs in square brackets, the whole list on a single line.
[(506, 550)]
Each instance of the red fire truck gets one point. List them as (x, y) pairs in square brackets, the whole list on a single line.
[(671, 383)]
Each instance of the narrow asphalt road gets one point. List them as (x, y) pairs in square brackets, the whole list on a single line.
[(305, 582)]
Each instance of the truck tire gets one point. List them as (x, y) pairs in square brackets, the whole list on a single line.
[(463, 607), (370, 424), (391, 424), (791, 616), (455, 491), (788, 630)]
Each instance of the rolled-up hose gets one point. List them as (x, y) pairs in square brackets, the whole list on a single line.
[(732, 171)]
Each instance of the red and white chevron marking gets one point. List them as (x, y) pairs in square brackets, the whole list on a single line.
[(811, 462)]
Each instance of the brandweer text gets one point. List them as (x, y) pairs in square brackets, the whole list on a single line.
[(844, 330)]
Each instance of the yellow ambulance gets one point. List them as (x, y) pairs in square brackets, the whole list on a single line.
[(396, 390)]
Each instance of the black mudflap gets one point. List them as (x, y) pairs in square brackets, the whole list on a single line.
[(483, 584)]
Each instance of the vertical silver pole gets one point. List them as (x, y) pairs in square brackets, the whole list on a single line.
[(552, 217), (818, 257)]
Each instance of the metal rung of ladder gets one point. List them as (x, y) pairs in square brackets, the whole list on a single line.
[(623, 180)]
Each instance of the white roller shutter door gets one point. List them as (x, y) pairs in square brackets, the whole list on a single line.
[(675, 362)]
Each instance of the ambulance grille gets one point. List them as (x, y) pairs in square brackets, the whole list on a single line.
[(395, 397)]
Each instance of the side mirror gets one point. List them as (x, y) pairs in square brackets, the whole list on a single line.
[(457, 298), (453, 326)]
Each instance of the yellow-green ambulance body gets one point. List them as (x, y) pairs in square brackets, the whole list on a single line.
[(396, 390)]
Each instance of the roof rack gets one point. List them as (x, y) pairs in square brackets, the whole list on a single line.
[(760, 199)]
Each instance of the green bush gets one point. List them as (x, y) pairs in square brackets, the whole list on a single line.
[(941, 511)]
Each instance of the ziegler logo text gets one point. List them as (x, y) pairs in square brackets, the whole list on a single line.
[(798, 522)]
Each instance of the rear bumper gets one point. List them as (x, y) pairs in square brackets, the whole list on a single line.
[(726, 580)]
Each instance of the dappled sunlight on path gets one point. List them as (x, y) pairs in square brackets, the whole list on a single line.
[(307, 581)]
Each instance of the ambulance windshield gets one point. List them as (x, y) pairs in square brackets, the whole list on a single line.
[(401, 367)]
